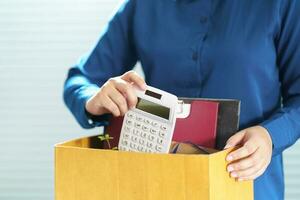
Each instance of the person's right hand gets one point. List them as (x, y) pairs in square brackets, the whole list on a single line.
[(116, 96)]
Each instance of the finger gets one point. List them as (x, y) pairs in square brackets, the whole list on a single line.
[(253, 176), (246, 163), (119, 100), (132, 76), (246, 150), (110, 106), (235, 139), (245, 173), (129, 93)]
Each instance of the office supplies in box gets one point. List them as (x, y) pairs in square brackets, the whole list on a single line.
[(208, 122), (189, 148)]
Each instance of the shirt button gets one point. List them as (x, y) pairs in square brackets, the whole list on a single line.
[(90, 121), (203, 20), (195, 56)]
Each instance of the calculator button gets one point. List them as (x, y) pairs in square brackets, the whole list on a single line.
[(133, 146), (130, 115), (125, 142), (134, 139), (155, 124), (139, 118), (126, 136), (140, 148), (136, 132), (151, 137), (148, 151), (153, 131), (127, 128), (163, 127), (137, 125), (160, 141), (162, 134), (147, 121), (143, 134), (149, 145), (145, 128), (141, 141), (158, 148), (129, 122)]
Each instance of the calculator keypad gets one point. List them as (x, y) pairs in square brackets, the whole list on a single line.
[(142, 134)]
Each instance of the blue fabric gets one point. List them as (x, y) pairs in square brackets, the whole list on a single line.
[(247, 50)]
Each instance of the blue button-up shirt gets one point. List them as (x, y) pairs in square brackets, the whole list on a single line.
[(238, 49)]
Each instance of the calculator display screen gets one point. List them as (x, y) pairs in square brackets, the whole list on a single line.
[(153, 108)]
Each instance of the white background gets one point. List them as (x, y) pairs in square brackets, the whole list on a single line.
[(39, 41)]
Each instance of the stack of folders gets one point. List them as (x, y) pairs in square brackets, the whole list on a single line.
[(209, 123)]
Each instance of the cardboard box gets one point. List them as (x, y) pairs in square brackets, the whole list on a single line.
[(85, 172)]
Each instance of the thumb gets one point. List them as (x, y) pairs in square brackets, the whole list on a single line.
[(235, 139)]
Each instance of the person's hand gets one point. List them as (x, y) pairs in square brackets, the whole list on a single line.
[(116, 96), (253, 157)]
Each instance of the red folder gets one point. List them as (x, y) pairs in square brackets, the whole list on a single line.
[(199, 127)]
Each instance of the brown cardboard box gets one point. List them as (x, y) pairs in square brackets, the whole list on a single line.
[(85, 172)]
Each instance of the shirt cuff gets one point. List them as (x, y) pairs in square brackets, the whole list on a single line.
[(86, 119), (277, 129), (96, 121)]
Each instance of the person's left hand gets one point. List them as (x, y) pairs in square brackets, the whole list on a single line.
[(253, 157)]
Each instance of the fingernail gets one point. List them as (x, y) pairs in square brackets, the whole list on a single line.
[(229, 158), (233, 175), (230, 169), (144, 86)]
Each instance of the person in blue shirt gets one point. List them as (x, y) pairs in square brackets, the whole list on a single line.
[(247, 50)]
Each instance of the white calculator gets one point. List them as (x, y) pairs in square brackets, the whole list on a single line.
[(150, 125)]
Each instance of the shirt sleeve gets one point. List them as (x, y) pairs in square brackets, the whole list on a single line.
[(113, 55), (284, 125)]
